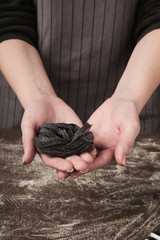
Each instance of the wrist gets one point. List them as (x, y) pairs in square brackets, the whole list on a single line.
[(37, 95), (34, 87), (128, 97), (135, 86)]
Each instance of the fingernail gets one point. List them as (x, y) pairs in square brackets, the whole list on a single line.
[(62, 179), (23, 161), (73, 177), (69, 171), (84, 171), (124, 161)]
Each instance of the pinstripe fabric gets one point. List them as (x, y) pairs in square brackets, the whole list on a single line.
[(86, 50), (85, 46), (10, 109), (80, 55)]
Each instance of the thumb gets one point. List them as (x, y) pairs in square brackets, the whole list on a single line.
[(126, 140), (28, 134)]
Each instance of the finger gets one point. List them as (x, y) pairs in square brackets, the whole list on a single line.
[(88, 158), (62, 175), (28, 135), (93, 152), (78, 163), (103, 158), (58, 163), (127, 137)]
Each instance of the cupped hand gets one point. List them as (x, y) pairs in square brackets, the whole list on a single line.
[(115, 125), (51, 110)]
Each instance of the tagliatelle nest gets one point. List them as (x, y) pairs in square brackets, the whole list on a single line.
[(63, 140)]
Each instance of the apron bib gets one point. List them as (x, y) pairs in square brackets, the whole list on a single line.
[(85, 46)]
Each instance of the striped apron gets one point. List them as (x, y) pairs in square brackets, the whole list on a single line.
[(85, 46)]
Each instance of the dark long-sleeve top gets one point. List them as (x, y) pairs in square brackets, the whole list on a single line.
[(147, 18), (18, 19)]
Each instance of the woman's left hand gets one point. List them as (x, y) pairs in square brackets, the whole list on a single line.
[(115, 125)]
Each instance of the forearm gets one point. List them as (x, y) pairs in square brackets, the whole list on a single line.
[(22, 67), (142, 74)]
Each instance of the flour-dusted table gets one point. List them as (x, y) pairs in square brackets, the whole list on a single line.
[(114, 203)]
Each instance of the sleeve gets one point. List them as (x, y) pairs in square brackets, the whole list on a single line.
[(147, 18), (18, 21)]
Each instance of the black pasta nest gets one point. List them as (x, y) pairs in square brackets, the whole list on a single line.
[(63, 140)]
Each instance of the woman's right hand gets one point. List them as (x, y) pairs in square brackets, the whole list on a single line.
[(51, 110)]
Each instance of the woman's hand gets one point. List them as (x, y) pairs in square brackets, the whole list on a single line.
[(115, 125), (22, 66), (116, 121), (51, 110)]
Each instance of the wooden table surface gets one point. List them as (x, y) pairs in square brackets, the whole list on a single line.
[(113, 203)]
